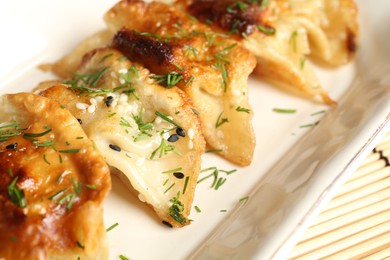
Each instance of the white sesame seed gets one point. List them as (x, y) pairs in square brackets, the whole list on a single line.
[(236, 92), (123, 71), (135, 108), (190, 144), (81, 106), (123, 98), (99, 98), (91, 109), (220, 134), (38, 208), (93, 101), (149, 81), (158, 120), (121, 108), (114, 102), (191, 133), (165, 135)]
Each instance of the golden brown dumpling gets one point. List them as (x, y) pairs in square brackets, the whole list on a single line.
[(213, 67), (331, 26), (53, 183), (148, 132)]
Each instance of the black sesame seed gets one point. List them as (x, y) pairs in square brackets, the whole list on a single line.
[(166, 223), (80, 121), (109, 100), (173, 138), (178, 175), (115, 147), (13, 146), (180, 132)]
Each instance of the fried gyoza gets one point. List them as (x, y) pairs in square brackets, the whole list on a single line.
[(283, 33), (209, 67), (214, 69), (331, 26), (53, 183), (148, 132)]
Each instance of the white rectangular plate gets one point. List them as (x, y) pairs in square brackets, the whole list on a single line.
[(294, 172)]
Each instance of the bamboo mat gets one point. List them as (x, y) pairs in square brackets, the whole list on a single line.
[(356, 223)]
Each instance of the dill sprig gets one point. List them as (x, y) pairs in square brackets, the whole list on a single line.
[(168, 80)]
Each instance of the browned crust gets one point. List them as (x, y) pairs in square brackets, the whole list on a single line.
[(239, 17), (156, 55), (46, 227)]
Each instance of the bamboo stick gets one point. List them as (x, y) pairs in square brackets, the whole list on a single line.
[(358, 215), (337, 244), (363, 191), (361, 202), (352, 186), (371, 244), (356, 223)]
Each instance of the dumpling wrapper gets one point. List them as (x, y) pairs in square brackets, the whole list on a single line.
[(219, 95), (272, 33), (332, 28), (53, 183), (214, 68), (123, 112)]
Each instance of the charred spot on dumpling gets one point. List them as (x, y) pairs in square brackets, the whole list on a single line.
[(351, 41), (155, 53), (144, 48), (235, 16)]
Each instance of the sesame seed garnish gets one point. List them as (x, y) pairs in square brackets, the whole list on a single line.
[(123, 71), (99, 98), (80, 121), (236, 92), (166, 223), (190, 144), (109, 100), (165, 135), (178, 175), (220, 134), (13, 146), (180, 132), (91, 109), (191, 133), (81, 106), (93, 101), (173, 138), (115, 147)]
